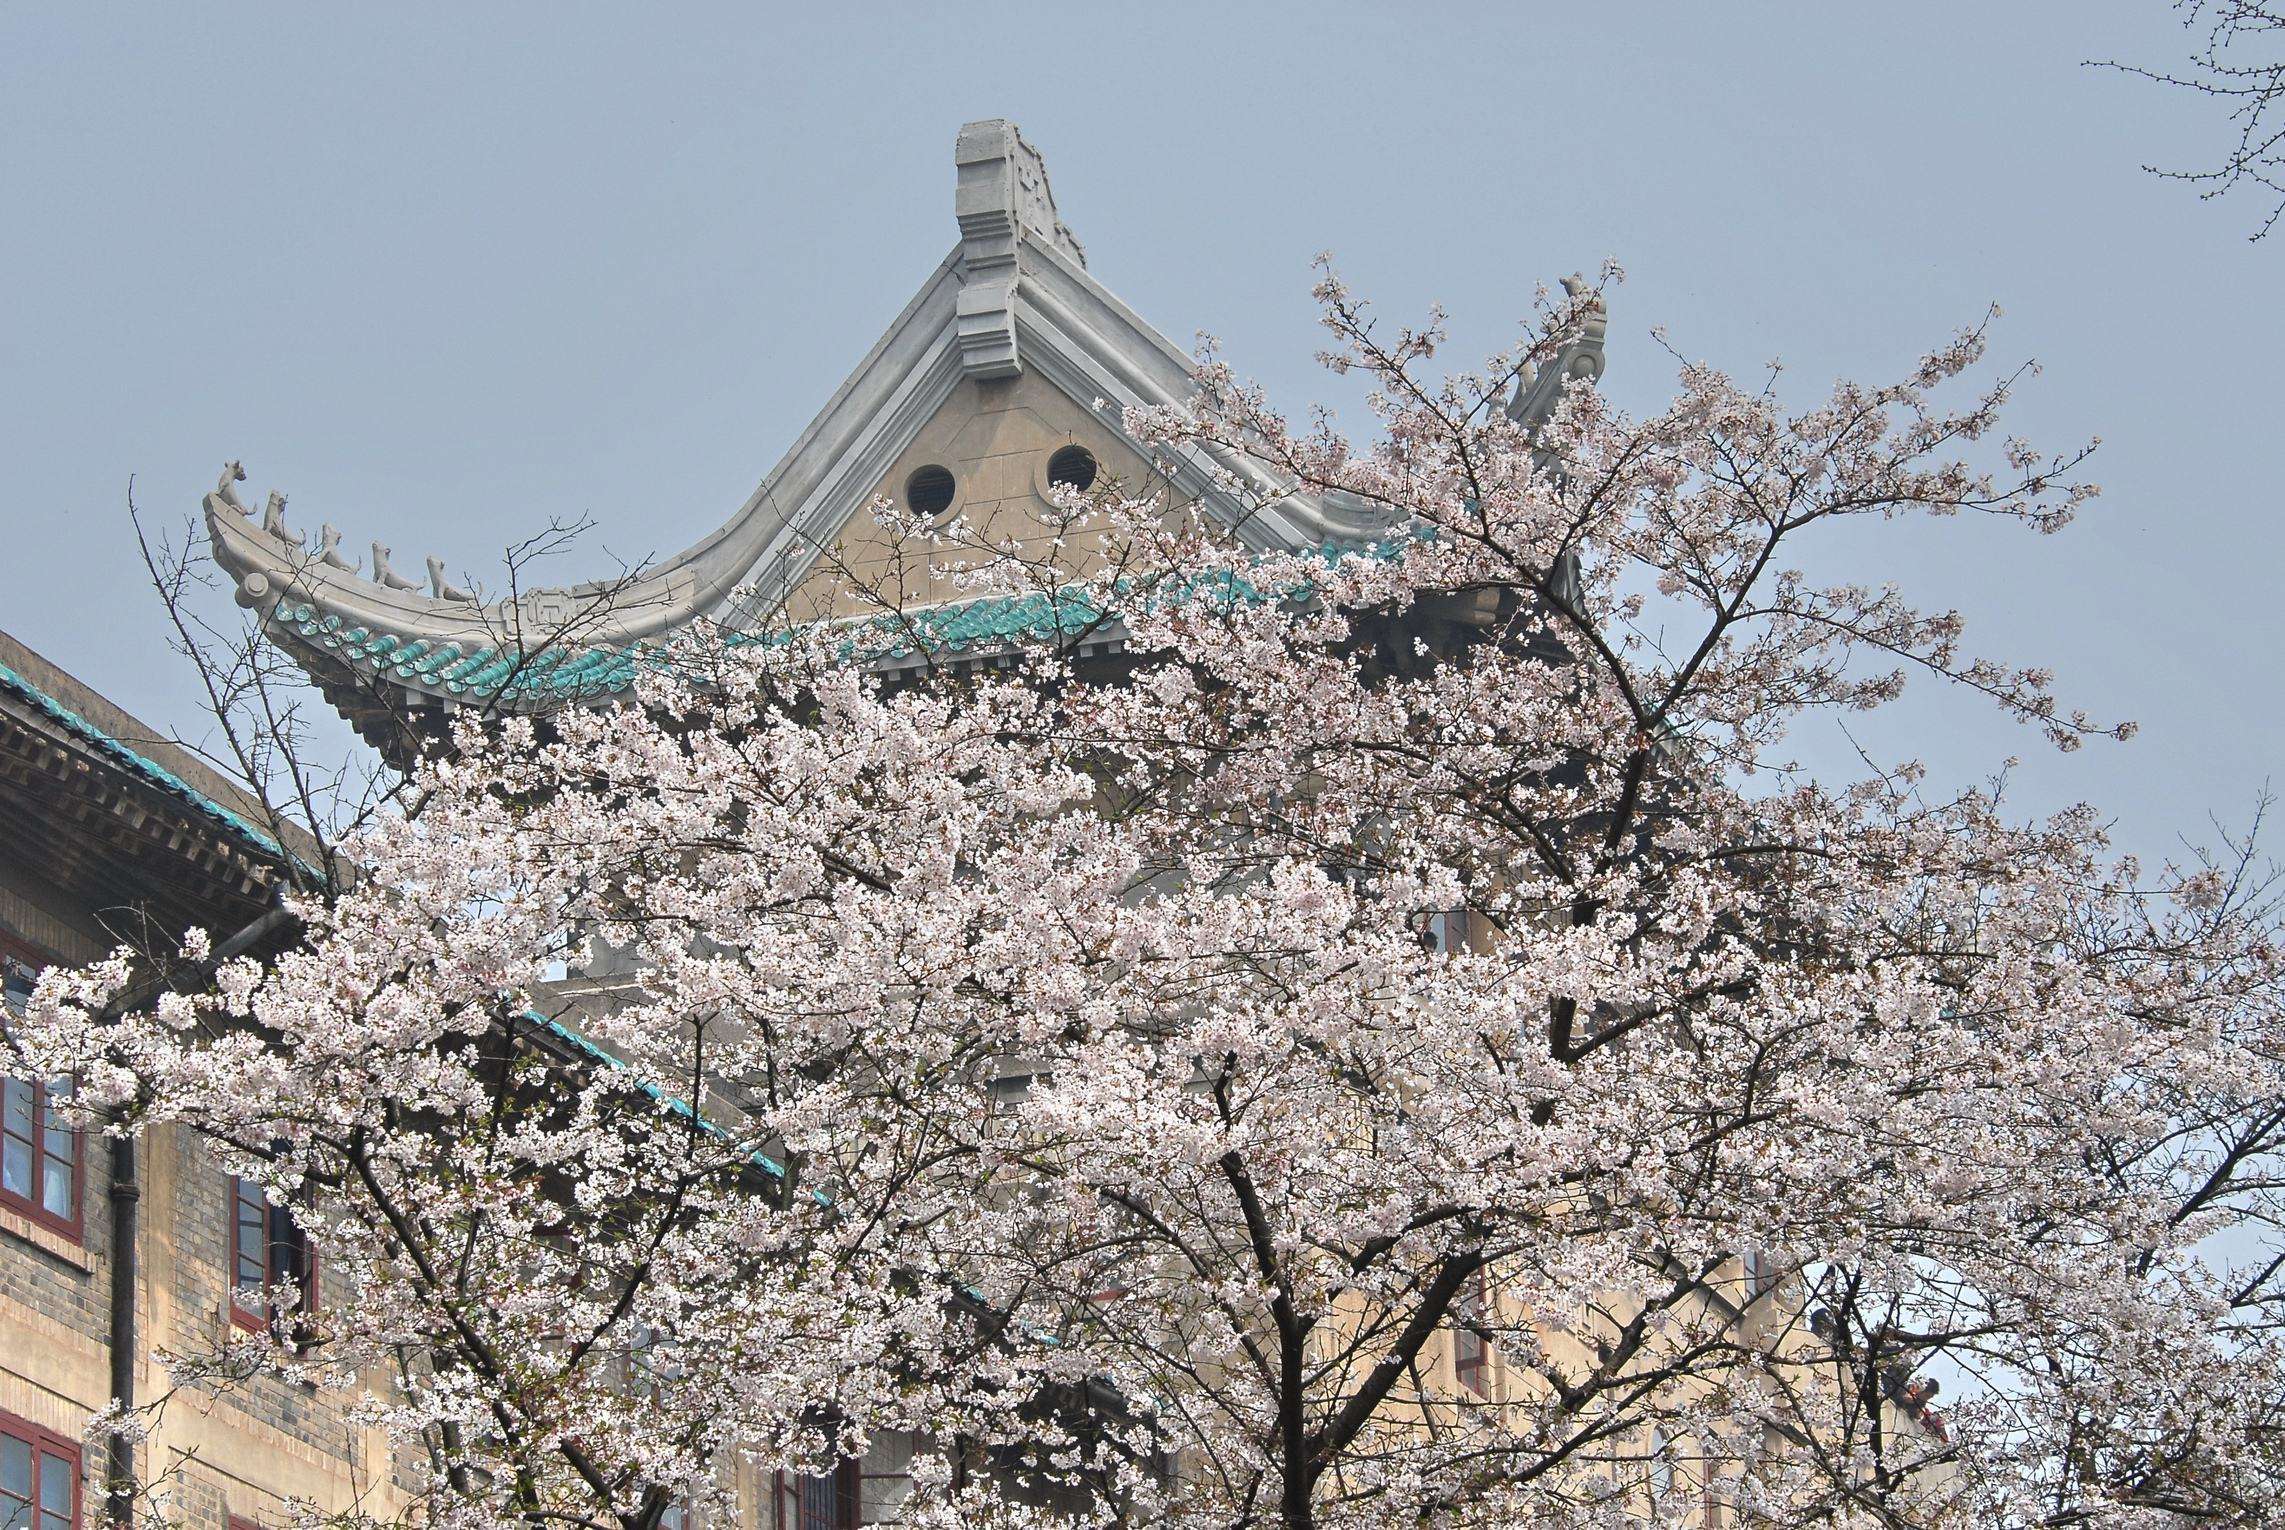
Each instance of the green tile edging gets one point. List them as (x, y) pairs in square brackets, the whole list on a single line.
[(150, 770)]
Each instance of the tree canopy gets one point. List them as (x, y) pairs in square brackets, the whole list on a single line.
[(1372, 1038)]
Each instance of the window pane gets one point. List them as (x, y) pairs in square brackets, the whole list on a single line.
[(817, 1503), (55, 1485), (15, 1468), (16, 1167), (285, 1261), (16, 1108), (57, 1149), (886, 1481), (55, 1188), (253, 1237)]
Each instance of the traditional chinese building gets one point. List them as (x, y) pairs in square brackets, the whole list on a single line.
[(1006, 372)]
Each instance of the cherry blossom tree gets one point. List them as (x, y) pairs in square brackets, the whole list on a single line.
[(1380, 1037)]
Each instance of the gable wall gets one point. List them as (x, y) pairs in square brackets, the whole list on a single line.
[(995, 436)]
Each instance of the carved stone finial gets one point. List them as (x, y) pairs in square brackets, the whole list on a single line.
[(386, 577), (1538, 391), (274, 518), (443, 588), (232, 474), (1002, 174), (1001, 196), (329, 549)]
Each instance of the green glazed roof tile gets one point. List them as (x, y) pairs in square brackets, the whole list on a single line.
[(141, 765)]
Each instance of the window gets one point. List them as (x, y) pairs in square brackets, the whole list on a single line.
[(929, 490), (824, 1502), (1442, 934), (884, 1478), (39, 1478), (1471, 1351), (651, 1363), (1661, 1466), (1006, 1091), (39, 1154), (267, 1249), (18, 975)]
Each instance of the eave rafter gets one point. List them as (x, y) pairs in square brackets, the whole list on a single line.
[(90, 812)]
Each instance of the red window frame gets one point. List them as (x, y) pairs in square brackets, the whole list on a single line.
[(46, 1448), (282, 1240), (31, 1204), (1471, 1351), (241, 1522)]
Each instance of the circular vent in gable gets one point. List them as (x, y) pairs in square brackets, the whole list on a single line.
[(1072, 467), (929, 490)]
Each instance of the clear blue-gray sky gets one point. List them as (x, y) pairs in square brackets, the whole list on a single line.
[(443, 272)]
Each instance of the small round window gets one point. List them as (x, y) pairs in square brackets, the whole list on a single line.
[(1072, 467), (929, 490)]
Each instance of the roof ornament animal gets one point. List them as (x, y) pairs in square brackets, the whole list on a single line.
[(386, 577), (443, 588), (329, 550), (232, 474), (274, 519)]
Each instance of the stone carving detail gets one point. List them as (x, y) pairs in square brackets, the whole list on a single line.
[(386, 577), (274, 518), (545, 611), (1001, 193), (443, 588), (232, 474), (329, 550), (1540, 389), (1035, 204)]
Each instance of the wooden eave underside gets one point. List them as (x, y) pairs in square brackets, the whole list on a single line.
[(145, 864)]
